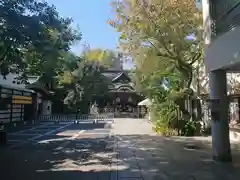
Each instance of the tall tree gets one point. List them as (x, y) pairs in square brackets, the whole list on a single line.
[(32, 29), (83, 85), (104, 57), (164, 40), (167, 31)]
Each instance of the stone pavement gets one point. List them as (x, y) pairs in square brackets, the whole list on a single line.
[(129, 150), (142, 155), (62, 152)]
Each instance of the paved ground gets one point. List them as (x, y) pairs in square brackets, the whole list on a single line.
[(57, 151), (127, 151), (151, 157)]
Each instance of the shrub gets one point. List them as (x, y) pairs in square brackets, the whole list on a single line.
[(167, 120), (189, 128), (165, 117), (164, 131)]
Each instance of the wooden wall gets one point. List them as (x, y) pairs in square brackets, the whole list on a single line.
[(12, 104)]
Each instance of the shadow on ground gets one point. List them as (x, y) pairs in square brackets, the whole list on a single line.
[(176, 158), (138, 157), (83, 158)]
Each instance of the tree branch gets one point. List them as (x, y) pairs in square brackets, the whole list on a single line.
[(159, 52), (195, 58), (158, 33)]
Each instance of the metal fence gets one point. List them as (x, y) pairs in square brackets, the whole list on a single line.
[(76, 118)]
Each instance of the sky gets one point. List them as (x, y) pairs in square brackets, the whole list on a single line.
[(91, 17)]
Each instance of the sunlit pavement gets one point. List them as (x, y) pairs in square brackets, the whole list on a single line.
[(128, 150), (152, 157), (58, 151)]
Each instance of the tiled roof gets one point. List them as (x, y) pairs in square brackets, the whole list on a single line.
[(111, 75)]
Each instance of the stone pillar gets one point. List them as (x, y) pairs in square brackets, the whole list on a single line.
[(219, 116)]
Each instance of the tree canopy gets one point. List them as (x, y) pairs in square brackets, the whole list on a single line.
[(164, 40), (105, 57), (83, 84), (32, 36), (162, 31)]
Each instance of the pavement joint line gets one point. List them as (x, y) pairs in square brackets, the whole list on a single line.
[(63, 145), (77, 134), (49, 132), (39, 136)]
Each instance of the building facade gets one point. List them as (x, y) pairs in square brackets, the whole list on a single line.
[(122, 98), (222, 55), (21, 101), (17, 103)]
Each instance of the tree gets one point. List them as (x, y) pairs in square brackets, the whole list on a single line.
[(164, 40), (161, 30), (32, 29), (83, 84), (105, 58)]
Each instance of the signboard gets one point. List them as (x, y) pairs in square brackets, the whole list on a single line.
[(21, 99)]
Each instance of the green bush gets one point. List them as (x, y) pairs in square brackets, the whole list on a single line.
[(165, 131), (165, 117), (189, 128), (167, 120)]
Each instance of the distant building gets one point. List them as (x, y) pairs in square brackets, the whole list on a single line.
[(121, 98), (17, 103), (32, 86)]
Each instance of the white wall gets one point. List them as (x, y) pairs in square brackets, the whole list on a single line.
[(224, 51), (47, 107), (10, 80)]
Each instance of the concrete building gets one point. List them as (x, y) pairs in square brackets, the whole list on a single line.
[(222, 56)]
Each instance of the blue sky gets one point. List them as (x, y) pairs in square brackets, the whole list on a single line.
[(91, 17)]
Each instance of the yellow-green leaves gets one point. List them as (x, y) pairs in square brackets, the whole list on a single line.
[(103, 57), (65, 78), (158, 30)]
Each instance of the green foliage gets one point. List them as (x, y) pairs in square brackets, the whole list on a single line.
[(154, 34), (164, 131), (166, 113), (105, 58), (189, 128), (33, 36), (83, 84)]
